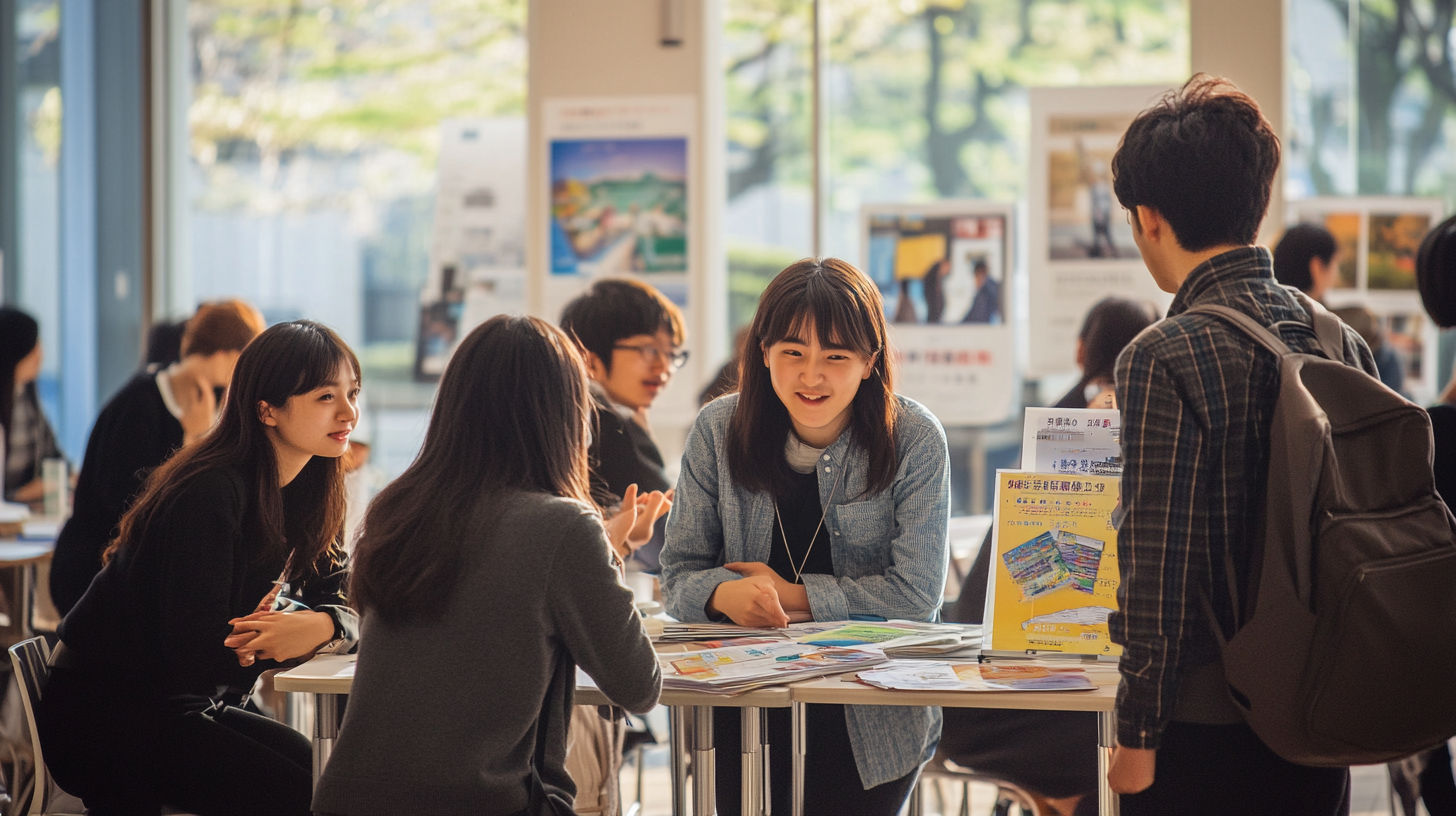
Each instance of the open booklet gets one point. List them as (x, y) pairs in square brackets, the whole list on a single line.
[(736, 669), (925, 675)]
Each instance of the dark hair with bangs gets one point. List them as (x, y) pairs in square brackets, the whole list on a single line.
[(511, 415), (614, 309), (287, 360), (845, 309), (1204, 158), (1301, 244), (1436, 273)]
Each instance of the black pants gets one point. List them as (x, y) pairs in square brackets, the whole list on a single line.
[(113, 748), (1226, 769), (832, 785), (1051, 753)]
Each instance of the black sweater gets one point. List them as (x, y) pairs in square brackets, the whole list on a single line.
[(156, 617), (133, 435)]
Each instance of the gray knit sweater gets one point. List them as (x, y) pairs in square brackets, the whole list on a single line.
[(445, 718)]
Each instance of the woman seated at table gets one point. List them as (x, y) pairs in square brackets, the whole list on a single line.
[(484, 577), (141, 708), (155, 413), (28, 437), (815, 492)]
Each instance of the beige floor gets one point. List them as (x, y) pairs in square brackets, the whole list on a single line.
[(1370, 794)]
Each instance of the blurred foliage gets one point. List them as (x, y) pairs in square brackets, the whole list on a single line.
[(927, 99), (749, 271), (278, 83)]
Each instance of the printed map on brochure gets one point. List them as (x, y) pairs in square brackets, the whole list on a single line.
[(924, 675), (1054, 575), (1082, 441)]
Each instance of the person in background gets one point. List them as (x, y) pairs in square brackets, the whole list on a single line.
[(1428, 776), (164, 343), (158, 411), (1196, 171), (631, 336), (1109, 326), (29, 440), (142, 708), (487, 562), (986, 306), (1308, 258), (726, 380), (816, 492)]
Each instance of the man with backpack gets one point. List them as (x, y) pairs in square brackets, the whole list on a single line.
[(1198, 396)]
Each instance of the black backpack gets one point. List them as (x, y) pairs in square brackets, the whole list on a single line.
[(1346, 652)]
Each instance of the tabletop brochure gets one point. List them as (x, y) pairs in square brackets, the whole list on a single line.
[(1054, 574)]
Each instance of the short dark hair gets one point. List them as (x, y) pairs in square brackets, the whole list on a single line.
[(1204, 158), (615, 308), (1108, 328), (1292, 254), (1436, 273)]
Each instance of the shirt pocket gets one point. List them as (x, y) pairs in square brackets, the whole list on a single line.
[(864, 528)]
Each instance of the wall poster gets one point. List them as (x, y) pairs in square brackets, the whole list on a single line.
[(944, 271), (1377, 239), (1080, 242), (478, 248), (619, 170)]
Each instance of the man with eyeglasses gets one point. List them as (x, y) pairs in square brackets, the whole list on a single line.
[(632, 337)]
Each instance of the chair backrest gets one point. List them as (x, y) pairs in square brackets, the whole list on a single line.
[(30, 659)]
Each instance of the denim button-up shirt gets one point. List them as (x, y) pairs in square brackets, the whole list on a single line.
[(889, 553)]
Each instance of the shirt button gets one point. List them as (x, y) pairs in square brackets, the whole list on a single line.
[(826, 457), (826, 470)]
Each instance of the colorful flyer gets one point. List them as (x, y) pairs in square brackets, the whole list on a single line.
[(1054, 577)]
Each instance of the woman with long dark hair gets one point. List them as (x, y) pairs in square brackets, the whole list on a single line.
[(484, 577), (27, 435), (816, 493), (1106, 330), (142, 706)]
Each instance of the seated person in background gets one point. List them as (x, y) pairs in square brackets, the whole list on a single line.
[(1108, 328), (726, 380), (164, 343), (143, 706), (632, 337), (29, 439), (1307, 258), (487, 562), (1428, 776), (157, 412)]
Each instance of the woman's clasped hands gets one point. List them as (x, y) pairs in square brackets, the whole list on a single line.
[(631, 526)]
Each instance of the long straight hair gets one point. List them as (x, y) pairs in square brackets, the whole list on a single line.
[(285, 361), (511, 415), (845, 310)]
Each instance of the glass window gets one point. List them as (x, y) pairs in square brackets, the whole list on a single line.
[(314, 134), (36, 261)]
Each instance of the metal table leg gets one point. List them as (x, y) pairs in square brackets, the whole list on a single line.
[(751, 743), (325, 729), (765, 772), (704, 787), (678, 736), (1106, 738), (801, 747)]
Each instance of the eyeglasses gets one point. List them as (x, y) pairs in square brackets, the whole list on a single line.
[(652, 354)]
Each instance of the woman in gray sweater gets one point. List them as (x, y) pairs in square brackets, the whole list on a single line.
[(485, 577)]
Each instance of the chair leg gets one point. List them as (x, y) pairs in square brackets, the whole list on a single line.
[(965, 799)]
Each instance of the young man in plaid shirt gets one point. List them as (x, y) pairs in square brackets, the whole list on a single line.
[(1195, 173)]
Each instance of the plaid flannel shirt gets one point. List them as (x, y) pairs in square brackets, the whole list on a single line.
[(1197, 399)]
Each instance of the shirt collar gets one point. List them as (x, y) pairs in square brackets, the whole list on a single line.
[(1244, 263)]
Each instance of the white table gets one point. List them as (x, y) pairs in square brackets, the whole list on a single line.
[(844, 690), (24, 555)]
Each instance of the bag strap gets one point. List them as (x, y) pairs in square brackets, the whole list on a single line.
[(1257, 331), (1327, 328)]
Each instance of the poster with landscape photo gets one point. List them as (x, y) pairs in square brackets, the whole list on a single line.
[(619, 206)]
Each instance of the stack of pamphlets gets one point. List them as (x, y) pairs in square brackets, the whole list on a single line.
[(678, 632), (925, 675), (894, 638), (736, 669)]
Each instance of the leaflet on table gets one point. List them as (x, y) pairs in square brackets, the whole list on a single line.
[(741, 668), (1054, 577), (887, 635), (925, 675), (1082, 441)]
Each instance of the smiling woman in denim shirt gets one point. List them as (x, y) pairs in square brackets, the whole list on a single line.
[(816, 493)]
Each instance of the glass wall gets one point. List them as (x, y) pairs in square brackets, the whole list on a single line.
[(314, 135)]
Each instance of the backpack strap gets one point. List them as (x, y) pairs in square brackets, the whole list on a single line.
[(1328, 328), (1253, 328)]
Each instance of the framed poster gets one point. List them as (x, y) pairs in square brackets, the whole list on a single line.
[(1377, 239), (478, 247), (944, 271), (619, 172), (1080, 243)]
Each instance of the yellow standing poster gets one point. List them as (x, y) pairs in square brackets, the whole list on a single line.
[(1054, 572)]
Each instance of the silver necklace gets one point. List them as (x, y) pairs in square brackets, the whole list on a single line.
[(799, 570)]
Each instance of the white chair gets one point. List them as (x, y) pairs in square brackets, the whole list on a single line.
[(30, 659), (1007, 794)]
